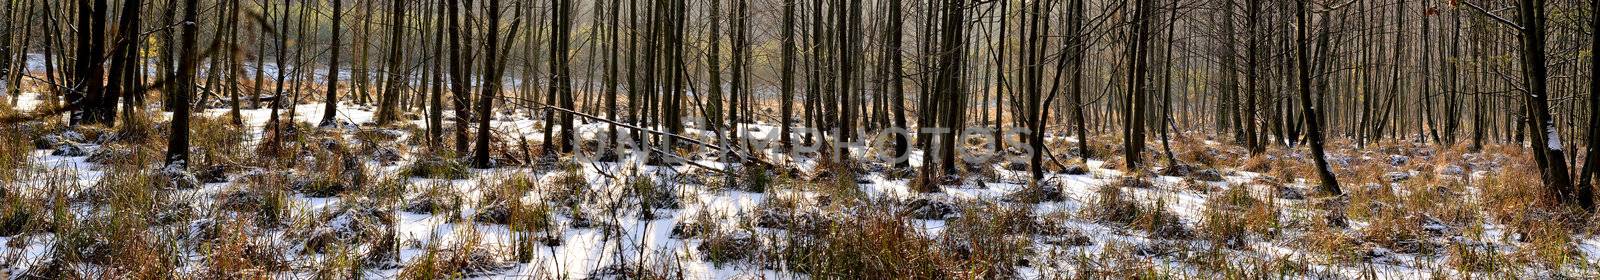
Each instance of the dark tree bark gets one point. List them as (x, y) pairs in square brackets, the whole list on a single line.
[(491, 86), (612, 71), (1546, 142), (675, 71), (714, 69), (435, 98), (331, 107), (87, 85), (1033, 57), (123, 58), (846, 72), (388, 103), (561, 71), (1591, 162), (1252, 58), (891, 79), (947, 89), (1229, 99), (361, 74), (1079, 45), (235, 63), (1134, 114), (275, 144), (458, 77), (1329, 185), (1166, 85), (739, 110), (9, 83), (786, 85), (178, 142), (261, 57)]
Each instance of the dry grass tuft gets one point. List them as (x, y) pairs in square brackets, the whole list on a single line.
[(1233, 216), (1114, 207)]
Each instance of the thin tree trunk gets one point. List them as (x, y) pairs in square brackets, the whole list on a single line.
[(388, 110), (491, 86), (435, 98), (331, 109), (1330, 184), (1134, 116), (458, 77), (786, 85), (122, 59)]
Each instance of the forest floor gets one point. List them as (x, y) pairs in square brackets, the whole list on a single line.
[(373, 202)]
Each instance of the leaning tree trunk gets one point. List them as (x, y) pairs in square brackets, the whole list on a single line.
[(1330, 184), (122, 58)]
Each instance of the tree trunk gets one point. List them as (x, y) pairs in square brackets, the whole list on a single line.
[(1330, 185), (388, 110), (178, 142), (435, 100), (612, 72), (458, 77), (123, 58), (87, 85), (1079, 46), (561, 70), (714, 69), (891, 80), (1546, 142), (1134, 116), (1591, 162), (786, 85), (331, 109), (1252, 56), (491, 86)]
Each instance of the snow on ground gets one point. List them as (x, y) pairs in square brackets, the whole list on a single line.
[(583, 251)]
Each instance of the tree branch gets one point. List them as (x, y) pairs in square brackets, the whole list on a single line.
[(1493, 16)]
